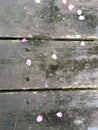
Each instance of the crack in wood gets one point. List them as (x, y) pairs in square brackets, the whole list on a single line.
[(15, 123)]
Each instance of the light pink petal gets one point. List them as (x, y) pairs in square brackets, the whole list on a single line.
[(59, 114), (38, 1), (54, 56), (39, 118), (82, 43), (64, 2), (24, 40), (81, 17), (70, 7), (28, 62), (79, 11)]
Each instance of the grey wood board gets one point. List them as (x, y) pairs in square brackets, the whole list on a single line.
[(76, 66), (78, 110), (49, 17)]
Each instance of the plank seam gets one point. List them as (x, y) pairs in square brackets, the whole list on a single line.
[(44, 89), (45, 38)]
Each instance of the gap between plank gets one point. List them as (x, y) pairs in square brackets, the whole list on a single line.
[(44, 89), (45, 38)]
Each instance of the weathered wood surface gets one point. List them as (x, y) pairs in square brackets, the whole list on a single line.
[(79, 110), (76, 66), (49, 17)]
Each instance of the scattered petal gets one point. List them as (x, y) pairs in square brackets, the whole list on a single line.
[(81, 17), (59, 114), (37, 1), (28, 62), (54, 56), (63, 1), (24, 40), (79, 11), (70, 7), (39, 118), (82, 43)]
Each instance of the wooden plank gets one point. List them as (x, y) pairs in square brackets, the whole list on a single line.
[(78, 110), (14, 73), (49, 17), (76, 65)]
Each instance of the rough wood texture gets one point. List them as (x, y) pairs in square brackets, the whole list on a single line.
[(76, 65), (79, 110), (50, 17)]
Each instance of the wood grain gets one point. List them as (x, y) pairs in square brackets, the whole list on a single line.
[(76, 66), (79, 110), (49, 17)]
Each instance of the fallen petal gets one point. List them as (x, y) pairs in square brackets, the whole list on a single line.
[(82, 43), (81, 17), (37, 1), (39, 118), (70, 7), (24, 40), (54, 56), (79, 11), (28, 62), (63, 1), (59, 114)]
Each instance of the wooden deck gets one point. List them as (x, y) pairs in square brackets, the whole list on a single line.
[(20, 110), (49, 82), (76, 66), (49, 17)]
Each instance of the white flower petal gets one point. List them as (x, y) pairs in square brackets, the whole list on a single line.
[(82, 43), (79, 11), (70, 7), (54, 56), (59, 114), (28, 62), (38, 1), (63, 1), (81, 17), (39, 118)]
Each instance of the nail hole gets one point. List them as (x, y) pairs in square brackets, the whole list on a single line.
[(27, 79), (27, 102)]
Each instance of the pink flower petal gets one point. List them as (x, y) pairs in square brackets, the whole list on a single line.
[(54, 56), (81, 17), (64, 2), (28, 62), (38, 1), (79, 11), (82, 43), (39, 118), (70, 7), (59, 114), (24, 40)]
